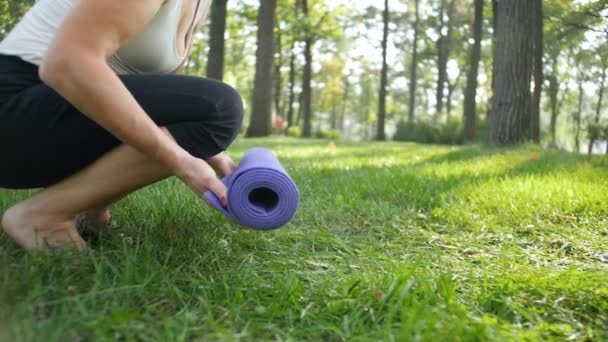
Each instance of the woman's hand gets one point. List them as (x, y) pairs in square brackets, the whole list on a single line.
[(200, 177), (222, 164)]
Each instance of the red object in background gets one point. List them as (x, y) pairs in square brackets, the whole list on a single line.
[(278, 123)]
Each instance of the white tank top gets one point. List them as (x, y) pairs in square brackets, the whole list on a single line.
[(152, 50)]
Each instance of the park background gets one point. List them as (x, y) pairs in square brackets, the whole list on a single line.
[(484, 218)]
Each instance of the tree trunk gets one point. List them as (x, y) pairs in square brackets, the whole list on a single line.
[(414, 65), (261, 110), (441, 61), (306, 79), (578, 115), (334, 116), (215, 59), (292, 83), (306, 90), (553, 94), (470, 93), (490, 104), (344, 102), (448, 100), (447, 47), (598, 109), (538, 33), (278, 78), (513, 57), (299, 116), (381, 134)]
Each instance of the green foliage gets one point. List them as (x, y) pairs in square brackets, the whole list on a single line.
[(430, 133), (346, 53), (294, 131), (10, 13), (330, 134), (594, 131), (597, 131)]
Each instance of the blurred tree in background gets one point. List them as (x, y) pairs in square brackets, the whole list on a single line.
[(261, 110), (217, 40), (521, 70)]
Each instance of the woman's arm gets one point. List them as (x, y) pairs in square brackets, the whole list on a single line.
[(76, 68)]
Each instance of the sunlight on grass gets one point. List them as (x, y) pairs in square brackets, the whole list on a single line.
[(392, 241)]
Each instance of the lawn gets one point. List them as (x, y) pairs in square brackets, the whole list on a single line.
[(392, 242)]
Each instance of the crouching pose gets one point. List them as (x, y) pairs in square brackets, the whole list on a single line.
[(92, 109)]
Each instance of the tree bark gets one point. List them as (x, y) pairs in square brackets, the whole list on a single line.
[(215, 58), (553, 98), (598, 110), (334, 116), (414, 65), (278, 78), (441, 60), (300, 106), (443, 52), (292, 83), (578, 115), (261, 115), (447, 47), (381, 134), (513, 57), (344, 102), (490, 104), (448, 99), (306, 79), (306, 90), (470, 93), (538, 32)]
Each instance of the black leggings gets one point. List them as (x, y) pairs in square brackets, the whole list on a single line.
[(44, 139)]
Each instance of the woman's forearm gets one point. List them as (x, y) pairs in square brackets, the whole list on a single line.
[(93, 88)]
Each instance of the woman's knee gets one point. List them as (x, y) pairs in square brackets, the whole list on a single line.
[(228, 118), (231, 103), (217, 122)]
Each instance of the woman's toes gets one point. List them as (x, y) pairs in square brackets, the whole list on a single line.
[(37, 231)]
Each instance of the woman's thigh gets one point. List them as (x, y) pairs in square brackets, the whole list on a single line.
[(44, 139)]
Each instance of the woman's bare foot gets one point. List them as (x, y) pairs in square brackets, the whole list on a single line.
[(34, 229)]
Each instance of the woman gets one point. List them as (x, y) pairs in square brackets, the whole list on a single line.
[(91, 110)]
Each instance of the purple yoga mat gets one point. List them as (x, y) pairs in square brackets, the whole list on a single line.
[(261, 195)]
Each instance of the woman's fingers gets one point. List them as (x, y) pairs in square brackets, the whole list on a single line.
[(222, 164), (219, 189), (200, 177)]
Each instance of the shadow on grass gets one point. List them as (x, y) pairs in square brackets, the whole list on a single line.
[(415, 187)]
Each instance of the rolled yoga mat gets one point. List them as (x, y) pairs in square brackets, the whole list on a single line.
[(261, 195)]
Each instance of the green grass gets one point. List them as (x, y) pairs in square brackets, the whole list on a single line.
[(392, 242)]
